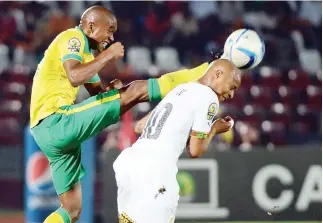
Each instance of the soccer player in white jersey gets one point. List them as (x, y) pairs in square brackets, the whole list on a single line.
[(148, 191)]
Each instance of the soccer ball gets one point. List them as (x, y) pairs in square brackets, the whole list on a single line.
[(244, 48)]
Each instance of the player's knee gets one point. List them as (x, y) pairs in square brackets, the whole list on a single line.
[(75, 213)]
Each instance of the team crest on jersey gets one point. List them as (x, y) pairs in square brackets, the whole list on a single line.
[(211, 111), (74, 45)]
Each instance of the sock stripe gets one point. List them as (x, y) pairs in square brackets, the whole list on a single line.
[(154, 90), (65, 215)]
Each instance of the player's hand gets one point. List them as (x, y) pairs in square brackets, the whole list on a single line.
[(116, 50), (115, 84), (222, 125)]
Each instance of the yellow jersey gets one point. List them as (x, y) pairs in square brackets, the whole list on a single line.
[(51, 87)]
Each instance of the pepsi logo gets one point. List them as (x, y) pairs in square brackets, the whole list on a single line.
[(38, 174)]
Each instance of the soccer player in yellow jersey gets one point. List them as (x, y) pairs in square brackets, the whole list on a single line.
[(59, 126)]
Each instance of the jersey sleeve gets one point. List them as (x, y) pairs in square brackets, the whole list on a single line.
[(205, 114), (71, 46)]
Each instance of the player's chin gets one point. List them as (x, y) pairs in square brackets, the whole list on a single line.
[(222, 99), (102, 46)]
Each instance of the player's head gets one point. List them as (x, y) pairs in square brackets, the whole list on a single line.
[(99, 25), (223, 77)]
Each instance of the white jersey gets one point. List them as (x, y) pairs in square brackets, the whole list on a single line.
[(188, 107), (146, 172)]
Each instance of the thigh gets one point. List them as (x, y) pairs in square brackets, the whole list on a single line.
[(143, 207), (82, 121), (65, 164), (150, 200), (123, 192), (123, 180)]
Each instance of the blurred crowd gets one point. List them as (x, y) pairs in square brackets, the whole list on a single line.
[(278, 104)]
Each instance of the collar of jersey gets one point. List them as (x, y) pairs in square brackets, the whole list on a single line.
[(87, 47)]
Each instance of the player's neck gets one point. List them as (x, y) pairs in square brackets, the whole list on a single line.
[(207, 81)]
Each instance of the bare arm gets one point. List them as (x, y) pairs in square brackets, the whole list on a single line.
[(141, 124), (199, 143), (79, 74)]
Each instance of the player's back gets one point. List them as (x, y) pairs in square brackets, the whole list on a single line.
[(168, 128), (151, 163)]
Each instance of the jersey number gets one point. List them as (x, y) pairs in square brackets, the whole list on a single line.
[(153, 129)]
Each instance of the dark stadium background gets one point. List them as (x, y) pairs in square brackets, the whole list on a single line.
[(278, 106)]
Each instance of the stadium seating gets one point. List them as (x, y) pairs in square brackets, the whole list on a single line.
[(310, 60), (261, 96), (270, 78), (10, 131), (314, 95), (4, 58), (285, 89), (139, 59), (298, 79), (167, 59)]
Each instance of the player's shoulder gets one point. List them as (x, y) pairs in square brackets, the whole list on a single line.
[(72, 31), (201, 90), (74, 40), (206, 98), (73, 34)]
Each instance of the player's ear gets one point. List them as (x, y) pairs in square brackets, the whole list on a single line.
[(91, 24), (218, 73)]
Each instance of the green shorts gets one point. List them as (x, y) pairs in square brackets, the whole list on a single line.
[(60, 135)]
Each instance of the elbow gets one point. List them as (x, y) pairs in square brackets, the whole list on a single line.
[(196, 148), (138, 128), (74, 82), (194, 153), (194, 156)]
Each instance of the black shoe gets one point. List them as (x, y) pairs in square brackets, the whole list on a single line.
[(216, 54)]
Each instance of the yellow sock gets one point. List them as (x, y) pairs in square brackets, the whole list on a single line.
[(54, 218), (169, 81), (59, 216)]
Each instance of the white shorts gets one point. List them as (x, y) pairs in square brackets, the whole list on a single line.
[(146, 192)]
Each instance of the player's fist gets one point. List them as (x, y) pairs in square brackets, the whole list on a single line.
[(115, 84), (223, 125), (116, 50)]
